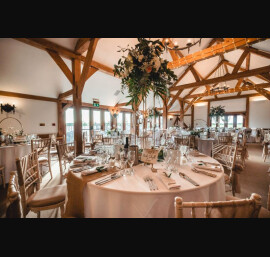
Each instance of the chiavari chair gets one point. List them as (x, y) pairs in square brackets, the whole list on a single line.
[(225, 139), (98, 139), (107, 141), (2, 175), (32, 197), (242, 208), (43, 147), (226, 155), (14, 210), (66, 154), (85, 144)]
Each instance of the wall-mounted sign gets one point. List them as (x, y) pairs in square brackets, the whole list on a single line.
[(95, 102)]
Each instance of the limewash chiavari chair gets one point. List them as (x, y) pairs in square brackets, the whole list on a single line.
[(32, 197), (66, 154), (107, 141), (226, 155), (98, 139), (14, 210), (85, 145), (225, 139), (43, 147), (242, 208)]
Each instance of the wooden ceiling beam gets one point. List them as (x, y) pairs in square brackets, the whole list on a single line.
[(263, 92), (82, 45), (227, 77), (87, 63), (45, 45), (240, 61), (65, 94), (228, 45), (259, 52), (62, 65), (26, 96), (242, 69), (232, 90)]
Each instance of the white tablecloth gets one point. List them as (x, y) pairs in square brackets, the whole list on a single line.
[(8, 155), (205, 145), (130, 196)]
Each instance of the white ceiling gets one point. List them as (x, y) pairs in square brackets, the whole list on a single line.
[(29, 70)]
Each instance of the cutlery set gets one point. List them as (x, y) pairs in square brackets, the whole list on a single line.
[(152, 185), (112, 177)]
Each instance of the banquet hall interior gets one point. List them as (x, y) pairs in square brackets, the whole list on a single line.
[(135, 128)]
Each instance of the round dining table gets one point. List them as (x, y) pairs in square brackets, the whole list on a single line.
[(130, 196), (8, 156)]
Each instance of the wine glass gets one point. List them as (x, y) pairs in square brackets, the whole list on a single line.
[(131, 160), (123, 163)]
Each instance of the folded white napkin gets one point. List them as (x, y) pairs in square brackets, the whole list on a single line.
[(207, 167), (89, 171), (169, 182)]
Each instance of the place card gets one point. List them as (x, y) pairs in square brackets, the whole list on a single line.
[(150, 156)]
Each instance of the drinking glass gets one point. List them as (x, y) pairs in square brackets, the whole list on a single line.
[(123, 163), (131, 160)]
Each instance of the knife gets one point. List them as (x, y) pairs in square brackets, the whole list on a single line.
[(184, 176)]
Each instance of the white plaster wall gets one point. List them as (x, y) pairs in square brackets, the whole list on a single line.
[(259, 114), (232, 105), (31, 113), (200, 115)]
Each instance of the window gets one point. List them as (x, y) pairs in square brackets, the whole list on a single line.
[(161, 122), (239, 121), (128, 122), (69, 125), (107, 119), (120, 121), (96, 120), (230, 121), (157, 122), (213, 121), (86, 123)]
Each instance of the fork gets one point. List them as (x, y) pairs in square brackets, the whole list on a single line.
[(153, 183), (146, 179)]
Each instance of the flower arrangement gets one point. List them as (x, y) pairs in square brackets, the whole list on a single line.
[(153, 112), (143, 70), (217, 111)]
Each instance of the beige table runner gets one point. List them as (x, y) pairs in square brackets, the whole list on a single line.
[(75, 185)]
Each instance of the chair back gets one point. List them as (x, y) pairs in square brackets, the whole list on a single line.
[(14, 209), (243, 208), (98, 139), (107, 141), (43, 146), (183, 140), (225, 139), (28, 177), (225, 154)]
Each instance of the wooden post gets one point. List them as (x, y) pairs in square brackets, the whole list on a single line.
[(61, 122), (192, 116), (165, 113), (77, 101), (208, 112), (247, 113)]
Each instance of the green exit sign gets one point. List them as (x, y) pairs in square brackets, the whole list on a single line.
[(95, 102)]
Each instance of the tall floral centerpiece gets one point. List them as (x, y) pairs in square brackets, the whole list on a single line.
[(217, 112), (143, 70)]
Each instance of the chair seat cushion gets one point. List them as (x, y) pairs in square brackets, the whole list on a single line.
[(53, 152), (48, 196), (42, 159)]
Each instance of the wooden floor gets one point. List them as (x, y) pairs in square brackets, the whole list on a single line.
[(255, 178)]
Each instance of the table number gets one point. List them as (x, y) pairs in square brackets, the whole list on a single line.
[(150, 156)]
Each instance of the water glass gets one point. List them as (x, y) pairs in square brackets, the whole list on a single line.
[(131, 160)]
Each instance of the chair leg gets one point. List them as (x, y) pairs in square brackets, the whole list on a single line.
[(38, 215), (50, 168)]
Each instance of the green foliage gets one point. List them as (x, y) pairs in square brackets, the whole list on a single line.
[(154, 112), (217, 111), (143, 71)]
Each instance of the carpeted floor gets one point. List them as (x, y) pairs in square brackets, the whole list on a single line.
[(255, 178)]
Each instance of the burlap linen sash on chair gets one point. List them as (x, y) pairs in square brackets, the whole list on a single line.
[(75, 185)]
